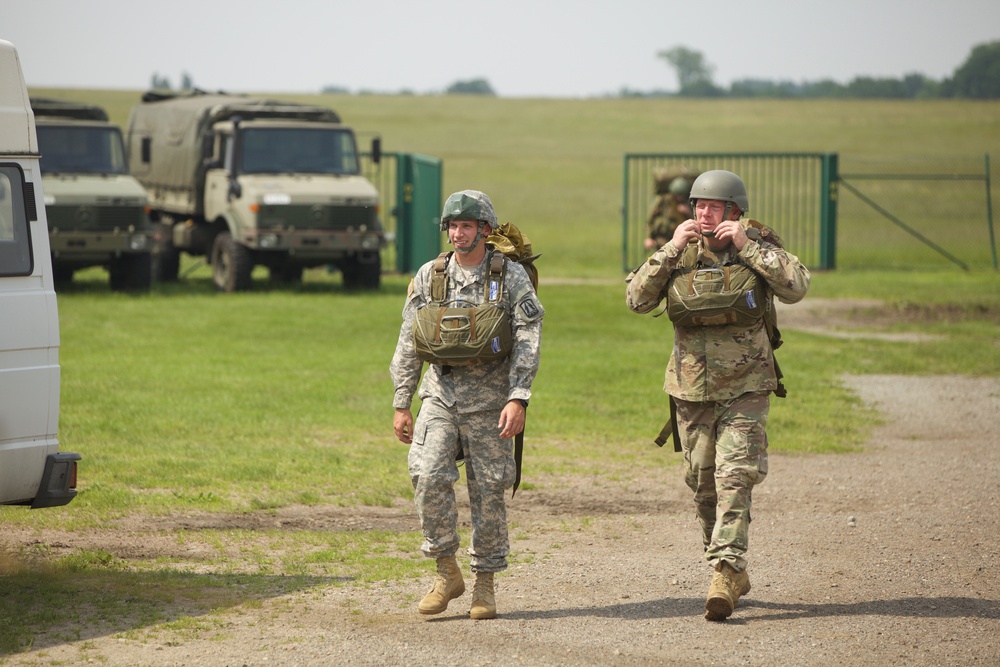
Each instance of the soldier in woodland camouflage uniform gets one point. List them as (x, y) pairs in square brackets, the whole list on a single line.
[(474, 410), (720, 377)]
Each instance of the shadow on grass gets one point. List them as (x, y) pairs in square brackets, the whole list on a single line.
[(45, 607)]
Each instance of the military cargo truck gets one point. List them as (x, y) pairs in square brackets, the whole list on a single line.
[(96, 210), (32, 469), (246, 181)]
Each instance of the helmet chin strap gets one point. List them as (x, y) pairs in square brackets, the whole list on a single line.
[(475, 241)]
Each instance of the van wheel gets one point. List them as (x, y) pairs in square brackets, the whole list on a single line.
[(131, 273), (232, 264)]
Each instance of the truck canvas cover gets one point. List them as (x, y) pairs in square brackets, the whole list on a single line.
[(177, 125)]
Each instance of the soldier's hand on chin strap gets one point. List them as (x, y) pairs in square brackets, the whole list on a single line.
[(733, 231), (687, 231)]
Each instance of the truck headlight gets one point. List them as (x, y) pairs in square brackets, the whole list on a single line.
[(369, 242), (138, 242), (268, 240)]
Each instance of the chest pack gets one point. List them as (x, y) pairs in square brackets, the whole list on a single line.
[(704, 297), (463, 336), (731, 294)]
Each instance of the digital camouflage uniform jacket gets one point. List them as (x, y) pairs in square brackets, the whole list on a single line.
[(717, 363), (484, 386)]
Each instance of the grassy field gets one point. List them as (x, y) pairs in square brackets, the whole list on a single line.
[(184, 400), (257, 387), (554, 167)]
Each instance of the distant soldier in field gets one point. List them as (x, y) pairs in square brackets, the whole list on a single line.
[(474, 316), (719, 274), (669, 209)]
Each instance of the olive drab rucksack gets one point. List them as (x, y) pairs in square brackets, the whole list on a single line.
[(509, 240)]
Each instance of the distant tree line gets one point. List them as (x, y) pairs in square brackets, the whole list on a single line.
[(977, 78), (470, 87)]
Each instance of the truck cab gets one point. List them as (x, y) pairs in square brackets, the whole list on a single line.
[(32, 469), (97, 212)]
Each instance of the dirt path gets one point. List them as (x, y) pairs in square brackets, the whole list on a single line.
[(883, 557)]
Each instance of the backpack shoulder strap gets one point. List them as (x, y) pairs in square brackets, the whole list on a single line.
[(497, 272), (439, 278)]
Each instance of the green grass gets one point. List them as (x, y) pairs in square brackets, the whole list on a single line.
[(185, 401), (188, 400)]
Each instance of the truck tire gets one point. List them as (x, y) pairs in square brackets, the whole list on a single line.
[(131, 273), (166, 262), (232, 264), (361, 273)]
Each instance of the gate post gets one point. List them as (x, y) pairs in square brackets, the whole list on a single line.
[(418, 185), (828, 211)]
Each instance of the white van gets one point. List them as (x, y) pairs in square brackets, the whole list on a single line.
[(32, 470)]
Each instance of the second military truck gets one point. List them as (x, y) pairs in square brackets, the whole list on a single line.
[(97, 212), (246, 181)]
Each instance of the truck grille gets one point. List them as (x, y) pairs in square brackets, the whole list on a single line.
[(94, 218), (318, 217)]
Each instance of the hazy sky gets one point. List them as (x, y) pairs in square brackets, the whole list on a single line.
[(562, 48)]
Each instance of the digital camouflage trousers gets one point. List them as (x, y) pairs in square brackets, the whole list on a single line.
[(438, 436)]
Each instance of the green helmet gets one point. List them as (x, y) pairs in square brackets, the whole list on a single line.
[(721, 185), (680, 187), (468, 205)]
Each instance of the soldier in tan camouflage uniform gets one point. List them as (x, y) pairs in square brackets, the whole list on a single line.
[(720, 376), (473, 410)]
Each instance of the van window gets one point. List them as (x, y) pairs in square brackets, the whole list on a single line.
[(15, 240)]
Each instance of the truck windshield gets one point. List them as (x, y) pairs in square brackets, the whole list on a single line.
[(298, 151), (81, 150)]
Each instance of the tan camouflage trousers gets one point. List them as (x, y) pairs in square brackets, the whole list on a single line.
[(438, 435), (725, 452)]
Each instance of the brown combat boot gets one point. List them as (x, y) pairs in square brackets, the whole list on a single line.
[(724, 593), (484, 602), (448, 585)]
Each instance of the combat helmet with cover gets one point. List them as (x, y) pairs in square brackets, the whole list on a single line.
[(468, 205)]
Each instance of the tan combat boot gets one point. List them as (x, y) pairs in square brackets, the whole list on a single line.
[(724, 593), (448, 585), (484, 602)]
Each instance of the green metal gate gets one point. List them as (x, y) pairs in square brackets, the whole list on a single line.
[(793, 193), (916, 212), (409, 186)]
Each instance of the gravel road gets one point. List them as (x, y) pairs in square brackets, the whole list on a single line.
[(882, 557)]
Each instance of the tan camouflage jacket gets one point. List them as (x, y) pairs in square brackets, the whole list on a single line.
[(484, 386), (717, 363)]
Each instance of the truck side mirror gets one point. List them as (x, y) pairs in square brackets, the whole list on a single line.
[(146, 149), (376, 150)]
